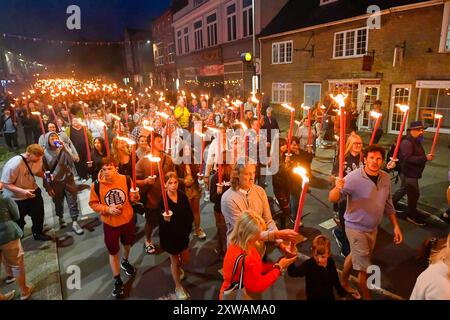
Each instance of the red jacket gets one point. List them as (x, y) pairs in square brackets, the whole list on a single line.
[(258, 276)]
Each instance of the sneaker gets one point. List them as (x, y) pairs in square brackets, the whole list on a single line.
[(127, 267), (9, 296), (118, 288), (30, 289), (417, 221), (62, 223), (199, 233), (77, 229), (181, 294), (206, 198), (10, 280), (41, 237)]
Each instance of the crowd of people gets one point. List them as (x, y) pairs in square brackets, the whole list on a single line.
[(145, 156)]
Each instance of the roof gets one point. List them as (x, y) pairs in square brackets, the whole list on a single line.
[(299, 14)]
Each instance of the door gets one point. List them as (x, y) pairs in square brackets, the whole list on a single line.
[(370, 94), (400, 94), (313, 93)]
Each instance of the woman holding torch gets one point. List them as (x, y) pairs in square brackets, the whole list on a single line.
[(174, 230)]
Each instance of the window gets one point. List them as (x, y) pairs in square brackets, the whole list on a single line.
[(352, 43), (281, 92), (231, 22), (282, 52), (247, 17), (171, 53), (186, 40), (324, 2), (211, 22), (198, 35), (179, 42), (159, 54), (444, 45)]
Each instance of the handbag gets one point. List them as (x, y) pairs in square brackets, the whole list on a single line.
[(236, 290)]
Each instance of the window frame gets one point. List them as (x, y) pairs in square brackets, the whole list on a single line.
[(445, 31), (285, 52), (215, 27), (276, 86), (171, 54), (159, 54), (200, 32), (234, 20), (179, 42), (247, 12), (355, 44), (186, 40)]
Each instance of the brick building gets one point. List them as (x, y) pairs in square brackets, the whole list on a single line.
[(164, 51), (211, 35), (138, 57), (401, 55)]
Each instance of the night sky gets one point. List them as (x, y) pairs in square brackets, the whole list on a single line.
[(100, 20)]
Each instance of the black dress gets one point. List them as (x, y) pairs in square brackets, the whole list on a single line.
[(174, 235)]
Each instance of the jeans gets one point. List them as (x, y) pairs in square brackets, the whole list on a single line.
[(11, 140), (409, 187), (67, 189), (35, 209)]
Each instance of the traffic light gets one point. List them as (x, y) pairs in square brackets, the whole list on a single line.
[(247, 57), (247, 60)]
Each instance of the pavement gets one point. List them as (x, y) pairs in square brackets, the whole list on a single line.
[(50, 265)]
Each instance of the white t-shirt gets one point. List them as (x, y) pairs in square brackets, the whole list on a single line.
[(16, 172), (433, 283)]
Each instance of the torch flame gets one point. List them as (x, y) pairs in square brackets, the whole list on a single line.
[(36, 113), (375, 114), (114, 117), (254, 99), (127, 140), (305, 107), (287, 106), (339, 99), (438, 116), (153, 159), (162, 114), (403, 107), (146, 125), (302, 173)]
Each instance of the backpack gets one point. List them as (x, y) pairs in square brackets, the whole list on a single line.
[(137, 207)]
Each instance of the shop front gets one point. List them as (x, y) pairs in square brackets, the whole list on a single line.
[(434, 98)]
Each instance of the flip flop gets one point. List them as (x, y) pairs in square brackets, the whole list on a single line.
[(149, 249)]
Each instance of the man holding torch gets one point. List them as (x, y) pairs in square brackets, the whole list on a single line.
[(149, 183), (413, 159), (364, 214)]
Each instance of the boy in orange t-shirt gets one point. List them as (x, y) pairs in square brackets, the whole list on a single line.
[(112, 199)]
